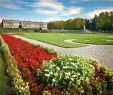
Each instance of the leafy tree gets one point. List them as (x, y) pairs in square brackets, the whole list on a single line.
[(103, 22), (77, 23)]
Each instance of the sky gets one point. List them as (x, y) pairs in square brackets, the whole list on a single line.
[(50, 10)]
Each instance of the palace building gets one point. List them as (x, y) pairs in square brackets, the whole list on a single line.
[(25, 24)]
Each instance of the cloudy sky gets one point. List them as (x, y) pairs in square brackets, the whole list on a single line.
[(49, 10)]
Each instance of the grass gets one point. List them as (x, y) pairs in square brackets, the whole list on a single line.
[(52, 38), (3, 85), (99, 39), (58, 39)]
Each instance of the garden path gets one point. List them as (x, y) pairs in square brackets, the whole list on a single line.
[(103, 53), (72, 41)]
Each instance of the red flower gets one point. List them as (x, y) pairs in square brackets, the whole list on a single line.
[(29, 59)]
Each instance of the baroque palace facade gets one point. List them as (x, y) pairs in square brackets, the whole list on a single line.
[(25, 24)]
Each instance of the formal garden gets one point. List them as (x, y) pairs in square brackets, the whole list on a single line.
[(32, 69), (35, 70)]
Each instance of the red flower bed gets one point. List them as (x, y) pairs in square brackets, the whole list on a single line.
[(29, 59)]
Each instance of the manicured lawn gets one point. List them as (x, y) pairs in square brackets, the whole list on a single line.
[(58, 39), (2, 78), (100, 39)]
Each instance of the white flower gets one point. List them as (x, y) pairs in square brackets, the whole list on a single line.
[(51, 73), (72, 63), (57, 68), (74, 76), (47, 75), (65, 67), (72, 79), (53, 80), (46, 70), (87, 79), (78, 74)]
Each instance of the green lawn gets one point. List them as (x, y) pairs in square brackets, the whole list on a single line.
[(58, 39), (3, 85)]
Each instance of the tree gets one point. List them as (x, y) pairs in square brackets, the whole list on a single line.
[(103, 22), (77, 23)]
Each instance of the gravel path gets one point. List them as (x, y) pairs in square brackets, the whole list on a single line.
[(103, 53), (72, 41)]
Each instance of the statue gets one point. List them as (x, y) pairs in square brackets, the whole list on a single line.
[(84, 27), (20, 27)]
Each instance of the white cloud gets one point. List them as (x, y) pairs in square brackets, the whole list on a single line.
[(46, 12), (53, 8), (98, 11), (8, 4), (66, 12), (72, 11), (52, 4)]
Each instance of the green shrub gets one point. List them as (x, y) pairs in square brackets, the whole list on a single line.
[(109, 79), (65, 71), (96, 87), (75, 75)]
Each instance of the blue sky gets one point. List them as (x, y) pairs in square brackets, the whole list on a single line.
[(49, 10)]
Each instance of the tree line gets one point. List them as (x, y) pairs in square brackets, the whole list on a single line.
[(102, 22), (77, 23)]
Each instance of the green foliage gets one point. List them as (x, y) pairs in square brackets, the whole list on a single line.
[(76, 90), (96, 87), (101, 23), (77, 23), (76, 75), (56, 25), (3, 86), (65, 71), (109, 79)]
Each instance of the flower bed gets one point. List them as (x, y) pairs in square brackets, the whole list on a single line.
[(20, 87), (64, 75), (29, 59), (75, 75)]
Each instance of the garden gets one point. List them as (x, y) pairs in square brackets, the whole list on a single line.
[(35, 70), (83, 39)]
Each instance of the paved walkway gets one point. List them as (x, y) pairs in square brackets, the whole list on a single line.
[(103, 53)]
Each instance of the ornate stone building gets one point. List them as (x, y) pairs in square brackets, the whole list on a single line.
[(25, 24)]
